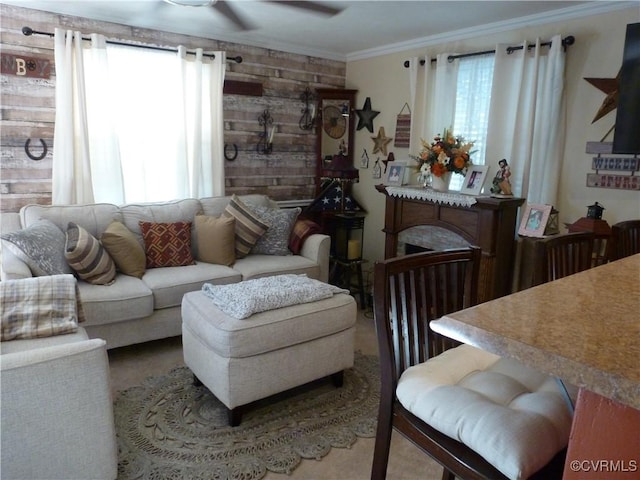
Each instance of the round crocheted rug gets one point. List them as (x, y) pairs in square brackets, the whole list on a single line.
[(167, 428)]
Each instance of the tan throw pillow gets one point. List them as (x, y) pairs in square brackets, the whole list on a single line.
[(87, 257), (124, 248), (215, 238), (249, 228), (167, 244)]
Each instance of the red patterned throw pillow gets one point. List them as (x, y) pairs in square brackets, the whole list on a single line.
[(167, 244)]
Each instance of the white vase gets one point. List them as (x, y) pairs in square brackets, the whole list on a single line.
[(441, 183)]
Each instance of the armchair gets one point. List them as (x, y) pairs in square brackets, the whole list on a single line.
[(55, 403)]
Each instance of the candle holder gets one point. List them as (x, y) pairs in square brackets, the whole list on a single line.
[(307, 119), (265, 144)]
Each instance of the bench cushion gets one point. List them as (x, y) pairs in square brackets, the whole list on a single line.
[(515, 417), (265, 331)]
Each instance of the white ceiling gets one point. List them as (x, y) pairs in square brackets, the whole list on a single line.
[(362, 29)]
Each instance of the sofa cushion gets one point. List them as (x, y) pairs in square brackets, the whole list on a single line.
[(39, 307), (496, 406), (266, 331), (256, 266), (87, 257), (167, 244), (215, 237), (126, 299), (275, 240), (302, 229), (171, 283), (40, 246), (249, 228), (214, 206), (159, 212), (123, 246), (94, 217)]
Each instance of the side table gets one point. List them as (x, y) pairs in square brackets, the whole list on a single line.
[(341, 275)]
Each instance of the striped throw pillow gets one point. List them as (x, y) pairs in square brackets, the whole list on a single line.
[(86, 256), (249, 228)]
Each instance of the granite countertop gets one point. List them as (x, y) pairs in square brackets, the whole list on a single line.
[(584, 329)]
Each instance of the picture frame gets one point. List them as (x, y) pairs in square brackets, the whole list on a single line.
[(474, 179), (534, 221), (395, 173)]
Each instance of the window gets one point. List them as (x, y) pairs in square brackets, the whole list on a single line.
[(473, 95), (158, 108)]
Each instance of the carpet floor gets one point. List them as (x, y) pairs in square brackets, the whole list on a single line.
[(132, 366)]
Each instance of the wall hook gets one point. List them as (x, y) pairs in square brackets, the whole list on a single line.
[(235, 152), (34, 157)]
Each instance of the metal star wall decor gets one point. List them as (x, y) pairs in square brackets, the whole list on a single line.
[(610, 87), (366, 116), (381, 141)]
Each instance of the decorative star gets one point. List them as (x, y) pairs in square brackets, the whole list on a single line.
[(381, 141), (610, 87), (366, 116)]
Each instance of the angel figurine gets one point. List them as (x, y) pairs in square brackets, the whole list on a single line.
[(501, 183)]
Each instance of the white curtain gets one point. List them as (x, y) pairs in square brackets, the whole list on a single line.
[(203, 133), (124, 132), (71, 169), (527, 123), (442, 108), (104, 146)]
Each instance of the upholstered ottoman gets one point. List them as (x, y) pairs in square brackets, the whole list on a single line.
[(244, 360)]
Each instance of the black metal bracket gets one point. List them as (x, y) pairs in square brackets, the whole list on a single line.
[(265, 144)]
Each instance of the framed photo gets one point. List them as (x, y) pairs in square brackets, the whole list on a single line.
[(534, 221), (395, 173), (474, 179)]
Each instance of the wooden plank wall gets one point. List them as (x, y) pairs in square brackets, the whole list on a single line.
[(28, 109)]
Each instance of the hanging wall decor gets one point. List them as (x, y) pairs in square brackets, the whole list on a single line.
[(364, 159), (381, 141), (377, 169), (609, 86), (403, 128), (366, 116), (622, 168)]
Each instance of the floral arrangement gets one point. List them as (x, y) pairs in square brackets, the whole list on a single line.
[(447, 153)]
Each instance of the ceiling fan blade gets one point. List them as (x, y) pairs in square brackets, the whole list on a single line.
[(309, 6), (225, 9)]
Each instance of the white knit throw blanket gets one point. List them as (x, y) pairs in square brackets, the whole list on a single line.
[(241, 300)]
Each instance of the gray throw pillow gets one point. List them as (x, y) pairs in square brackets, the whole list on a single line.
[(275, 240), (41, 246)]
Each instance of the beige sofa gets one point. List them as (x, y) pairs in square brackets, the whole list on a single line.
[(134, 310)]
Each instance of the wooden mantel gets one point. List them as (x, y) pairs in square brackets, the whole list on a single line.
[(489, 224)]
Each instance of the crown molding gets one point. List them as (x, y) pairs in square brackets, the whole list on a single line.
[(569, 13)]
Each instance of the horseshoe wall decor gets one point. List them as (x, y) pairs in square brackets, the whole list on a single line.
[(235, 152), (34, 157)]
